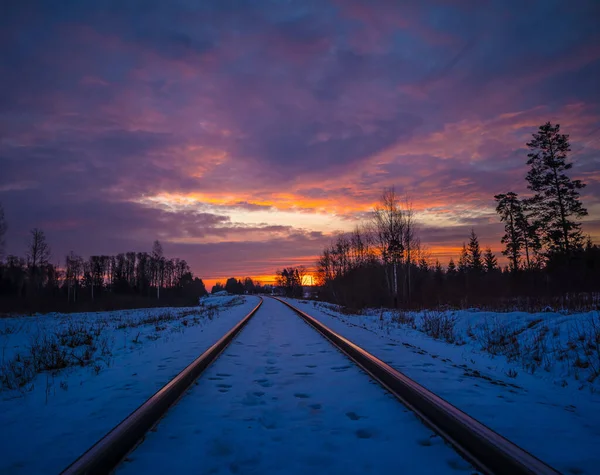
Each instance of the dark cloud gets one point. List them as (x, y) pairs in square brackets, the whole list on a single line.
[(315, 104)]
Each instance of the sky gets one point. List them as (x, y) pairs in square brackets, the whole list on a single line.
[(244, 134)]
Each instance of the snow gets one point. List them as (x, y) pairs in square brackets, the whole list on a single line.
[(220, 293), (56, 417), (282, 399), (552, 412)]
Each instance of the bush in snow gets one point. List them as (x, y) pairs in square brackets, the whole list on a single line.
[(497, 338), (403, 318), (439, 325)]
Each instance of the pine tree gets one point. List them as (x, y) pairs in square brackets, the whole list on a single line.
[(490, 261), (463, 260), (556, 200), (509, 208), (451, 268), (438, 273), (474, 253), (528, 233)]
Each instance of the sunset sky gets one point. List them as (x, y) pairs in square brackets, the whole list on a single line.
[(243, 134)]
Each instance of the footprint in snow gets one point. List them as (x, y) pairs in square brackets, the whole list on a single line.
[(353, 416), (363, 434)]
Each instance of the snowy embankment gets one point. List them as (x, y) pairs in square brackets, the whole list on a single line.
[(530, 377), (66, 380)]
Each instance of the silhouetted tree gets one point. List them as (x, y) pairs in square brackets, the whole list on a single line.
[(38, 255), (218, 287), (489, 261), (452, 268), (509, 207), (463, 260), (249, 286), (475, 263), (234, 286), (389, 227), (556, 200), (158, 266), (73, 273), (289, 280), (410, 243), (528, 233)]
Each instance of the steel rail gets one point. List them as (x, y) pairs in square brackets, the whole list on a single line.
[(487, 450), (109, 451)]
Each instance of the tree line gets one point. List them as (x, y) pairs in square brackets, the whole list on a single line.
[(240, 286), (130, 279), (383, 262)]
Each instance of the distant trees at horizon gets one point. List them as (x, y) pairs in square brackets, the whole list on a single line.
[(239, 286), (290, 280), (34, 282)]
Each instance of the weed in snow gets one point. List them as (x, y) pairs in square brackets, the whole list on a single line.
[(439, 325)]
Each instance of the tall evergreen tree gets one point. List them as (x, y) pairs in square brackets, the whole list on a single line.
[(489, 261), (528, 232), (509, 208), (451, 268), (556, 198), (463, 260), (474, 253)]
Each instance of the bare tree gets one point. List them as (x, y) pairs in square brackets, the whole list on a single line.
[(97, 269), (38, 255), (158, 266), (73, 274), (388, 229), (411, 242)]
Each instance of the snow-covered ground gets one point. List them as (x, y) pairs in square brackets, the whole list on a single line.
[(282, 399), (114, 362), (534, 388)]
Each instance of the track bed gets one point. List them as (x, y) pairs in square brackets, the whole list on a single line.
[(282, 399)]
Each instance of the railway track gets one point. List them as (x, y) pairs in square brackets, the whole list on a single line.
[(281, 398)]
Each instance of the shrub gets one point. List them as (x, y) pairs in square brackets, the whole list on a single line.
[(403, 318), (439, 325), (497, 338)]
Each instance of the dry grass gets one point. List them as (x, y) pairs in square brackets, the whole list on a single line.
[(83, 343), (439, 325)]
